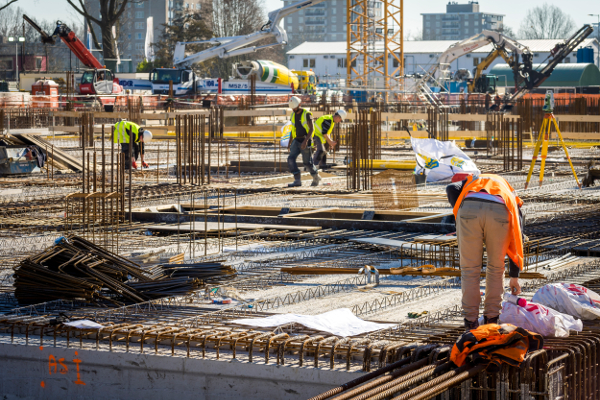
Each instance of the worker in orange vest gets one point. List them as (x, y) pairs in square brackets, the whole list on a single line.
[(486, 210)]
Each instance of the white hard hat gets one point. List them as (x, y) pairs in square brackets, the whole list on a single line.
[(295, 102), (147, 136), (341, 113)]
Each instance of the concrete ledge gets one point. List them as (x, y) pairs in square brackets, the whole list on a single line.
[(33, 372)]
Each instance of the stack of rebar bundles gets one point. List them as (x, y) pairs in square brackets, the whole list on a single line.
[(75, 268)]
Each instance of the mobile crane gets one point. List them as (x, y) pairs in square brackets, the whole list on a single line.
[(184, 80), (97, 80)]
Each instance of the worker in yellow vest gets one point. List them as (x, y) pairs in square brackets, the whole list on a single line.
[(122, 134), (300, 141), (323, 128), (487, 210)]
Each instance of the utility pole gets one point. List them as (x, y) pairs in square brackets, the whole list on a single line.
[(597, 35)]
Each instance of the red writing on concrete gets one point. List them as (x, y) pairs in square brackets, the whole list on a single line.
[(59, 367)]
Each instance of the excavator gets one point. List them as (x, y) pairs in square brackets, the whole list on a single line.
[(95, 81), (501, 47), (529, 78)]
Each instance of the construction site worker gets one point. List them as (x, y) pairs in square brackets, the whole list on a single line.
[(299, 143), (323, 128), (487, 211), (122, 133)]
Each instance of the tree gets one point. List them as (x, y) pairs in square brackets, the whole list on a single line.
[(235, 18), (416, 35), (507, 31), (110, 12), (145, 66), (546, 22), (7, 4), (192, 27)]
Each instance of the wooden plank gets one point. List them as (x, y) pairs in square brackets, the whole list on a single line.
[(578, 118), (215, 227), (257, 113)]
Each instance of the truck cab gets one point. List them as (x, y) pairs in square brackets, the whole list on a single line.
[(99, 82), (183, 81)]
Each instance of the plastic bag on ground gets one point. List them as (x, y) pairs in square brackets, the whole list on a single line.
[(571, 299), (83, 324), (537, 318), (286, 131), (440, 160)]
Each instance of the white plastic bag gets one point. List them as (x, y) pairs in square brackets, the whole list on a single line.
[(571, 299), (440, 160), (537, 318), (286, 131)]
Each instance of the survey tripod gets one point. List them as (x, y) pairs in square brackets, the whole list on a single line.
[(542, 142)]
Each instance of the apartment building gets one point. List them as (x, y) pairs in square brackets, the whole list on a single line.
[(460, 21)]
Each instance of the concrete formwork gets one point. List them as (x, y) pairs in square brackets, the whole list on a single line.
[(33, 372)]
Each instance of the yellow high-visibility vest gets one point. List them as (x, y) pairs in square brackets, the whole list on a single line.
[(303, 121), (120, 134), (319, 127)]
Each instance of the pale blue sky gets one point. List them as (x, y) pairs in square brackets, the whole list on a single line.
[(513, 9)]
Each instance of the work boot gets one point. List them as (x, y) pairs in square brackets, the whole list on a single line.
[(471, 325), (297, 181), (316, 180), (490, 320)]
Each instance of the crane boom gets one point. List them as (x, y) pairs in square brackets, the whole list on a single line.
[(234, 46), (70, 39)]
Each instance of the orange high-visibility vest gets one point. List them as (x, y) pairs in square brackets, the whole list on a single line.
[(496, 344), (498, 186)]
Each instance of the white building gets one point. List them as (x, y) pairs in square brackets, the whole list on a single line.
[(328, 59)]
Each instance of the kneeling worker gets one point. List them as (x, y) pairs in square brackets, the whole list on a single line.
[(323, 128), (299, 143), (122, 133), (487, 210)]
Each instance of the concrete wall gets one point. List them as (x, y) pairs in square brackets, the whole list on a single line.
[(33, 372)]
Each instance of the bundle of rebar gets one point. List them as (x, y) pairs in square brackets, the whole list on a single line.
[(75, 268), (204, 271)]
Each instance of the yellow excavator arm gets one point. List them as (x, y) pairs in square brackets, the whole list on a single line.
[(486, 62)]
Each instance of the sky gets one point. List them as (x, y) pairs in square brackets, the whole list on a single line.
[(514, 10)]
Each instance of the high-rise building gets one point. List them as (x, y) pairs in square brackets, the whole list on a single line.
[(460, 21), (132, 25), (323, 22)]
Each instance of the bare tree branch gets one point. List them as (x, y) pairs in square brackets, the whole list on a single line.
[(7, 4), (546, 22)]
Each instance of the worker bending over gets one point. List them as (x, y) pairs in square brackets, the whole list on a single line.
[(323, 128), (299, 143), (122, 133), (487, 210)]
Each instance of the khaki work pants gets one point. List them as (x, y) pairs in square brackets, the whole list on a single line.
[(480, 222)]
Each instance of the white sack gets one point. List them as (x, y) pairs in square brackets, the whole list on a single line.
[(340, 322), (537, 318), (571, 299), (83, 324), (286, 131), (440, 160)]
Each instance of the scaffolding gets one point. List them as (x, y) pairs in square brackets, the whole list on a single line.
[(375, 54)]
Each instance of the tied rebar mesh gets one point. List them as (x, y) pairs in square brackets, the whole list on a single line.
[(394, 190)]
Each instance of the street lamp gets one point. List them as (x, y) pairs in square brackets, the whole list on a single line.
[(597, 34), (16, 40)]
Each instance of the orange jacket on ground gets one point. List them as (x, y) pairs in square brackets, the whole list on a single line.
[(496, 344), (498, 186)]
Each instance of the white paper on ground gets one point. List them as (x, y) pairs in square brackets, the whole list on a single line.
[(571, 299), (537, 318), (440, 160), (340, 322), (83, 324)]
